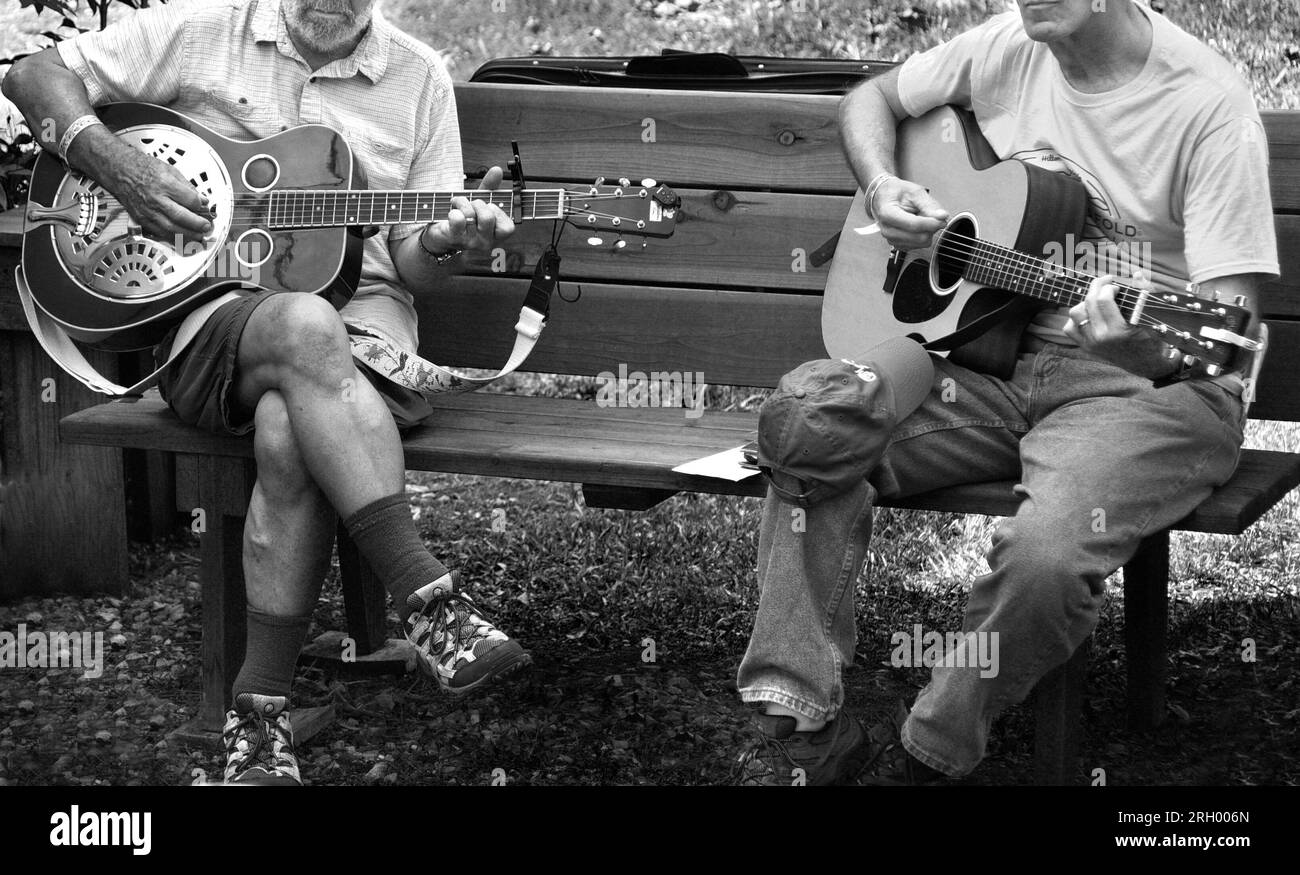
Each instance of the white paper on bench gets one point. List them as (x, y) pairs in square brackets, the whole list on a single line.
[(725, 465)]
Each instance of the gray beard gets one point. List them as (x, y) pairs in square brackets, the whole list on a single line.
[(325, 36)]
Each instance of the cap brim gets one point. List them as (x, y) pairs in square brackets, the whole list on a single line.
[(905, 367)]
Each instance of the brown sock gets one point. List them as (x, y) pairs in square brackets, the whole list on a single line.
[(386, 536), (270, 654)]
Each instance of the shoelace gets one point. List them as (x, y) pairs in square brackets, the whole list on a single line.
[(436, 607), (255, 724), (767, 750)]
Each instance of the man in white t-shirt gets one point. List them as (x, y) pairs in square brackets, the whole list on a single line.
[(1167, 140)]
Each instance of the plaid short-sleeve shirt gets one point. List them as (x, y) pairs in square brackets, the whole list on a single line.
[(231, 65)]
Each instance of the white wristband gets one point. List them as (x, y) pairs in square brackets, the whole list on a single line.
[(77, 126)]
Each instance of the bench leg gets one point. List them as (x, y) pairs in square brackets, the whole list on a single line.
[(1146, 622), (1058, 707), (220, 487), (224, 615), (363, 597)]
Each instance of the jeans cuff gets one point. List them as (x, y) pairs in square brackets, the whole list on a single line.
[(910, 744), (780, 697)]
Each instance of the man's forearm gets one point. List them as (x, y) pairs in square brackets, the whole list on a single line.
[(867, 132), (51, 97)]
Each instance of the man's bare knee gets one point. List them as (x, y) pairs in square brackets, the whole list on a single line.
[(295, 335)]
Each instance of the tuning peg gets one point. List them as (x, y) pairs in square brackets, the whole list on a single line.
[(624, 181), (1240, 300), (1171, 352), (648, 183), (1190, 361), (600, 180), (595, 241), (620, 243)]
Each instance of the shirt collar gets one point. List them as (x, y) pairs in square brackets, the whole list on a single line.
[(370, 57)]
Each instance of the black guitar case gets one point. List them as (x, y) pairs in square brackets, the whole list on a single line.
[(691, 71)]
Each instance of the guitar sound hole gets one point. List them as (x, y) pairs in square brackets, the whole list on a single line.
[(953, 251)]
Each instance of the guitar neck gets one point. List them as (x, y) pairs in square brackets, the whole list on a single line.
[(290, 209), (1004, 268)]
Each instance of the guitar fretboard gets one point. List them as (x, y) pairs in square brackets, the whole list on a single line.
[(323, 209), (1004, 268)]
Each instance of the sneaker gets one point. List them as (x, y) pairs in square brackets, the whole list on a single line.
[(259, 743), (833, 754), (456, 644), (890, 764)]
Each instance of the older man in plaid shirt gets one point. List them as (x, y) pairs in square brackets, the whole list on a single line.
[(273, 364)]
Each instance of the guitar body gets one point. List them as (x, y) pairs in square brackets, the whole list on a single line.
[(112, 286), (874, 292)]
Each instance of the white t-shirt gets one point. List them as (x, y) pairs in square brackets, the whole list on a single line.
[(1175, 161)]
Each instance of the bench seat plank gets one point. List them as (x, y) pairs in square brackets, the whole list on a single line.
[(576, 441)]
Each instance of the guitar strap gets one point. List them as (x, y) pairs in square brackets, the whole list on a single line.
[(404, 368), (56, 343), (410, 370)]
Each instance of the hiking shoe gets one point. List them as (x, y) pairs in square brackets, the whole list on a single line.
[(833, 754), (890, 765), (456, 644), (259, 743)]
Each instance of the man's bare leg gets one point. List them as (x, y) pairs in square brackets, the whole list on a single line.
[(326, 443), (297, 345)]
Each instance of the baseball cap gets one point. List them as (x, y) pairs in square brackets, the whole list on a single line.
[(829, 421)]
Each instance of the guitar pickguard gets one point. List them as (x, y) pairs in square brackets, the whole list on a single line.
[(912, 299)]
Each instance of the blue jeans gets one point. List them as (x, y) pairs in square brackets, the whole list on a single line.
[(1102, 459)]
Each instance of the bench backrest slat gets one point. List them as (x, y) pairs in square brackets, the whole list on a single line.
[(742, 239)]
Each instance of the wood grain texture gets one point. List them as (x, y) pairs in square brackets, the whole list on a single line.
[(701, 139), (62, 518), (576, 441), (709, 138), (732, 337), (724, 238), (1283, 129)]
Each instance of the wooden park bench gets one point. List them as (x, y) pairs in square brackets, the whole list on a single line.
[(734, 295)]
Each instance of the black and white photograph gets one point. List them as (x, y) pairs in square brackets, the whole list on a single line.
[(587, 394)]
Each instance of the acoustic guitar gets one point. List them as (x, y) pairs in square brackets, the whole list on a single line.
[(973, 291)]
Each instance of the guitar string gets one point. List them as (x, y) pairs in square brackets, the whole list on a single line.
[(1056, 278), (1018, 273), (1048, 268), (255, 210), (1145, 319), (1047, 274)]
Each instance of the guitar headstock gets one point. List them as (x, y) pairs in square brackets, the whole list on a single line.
[(645, 209), (1210, 333)]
